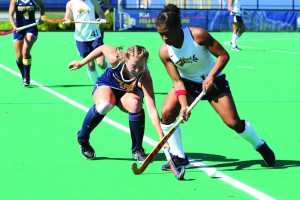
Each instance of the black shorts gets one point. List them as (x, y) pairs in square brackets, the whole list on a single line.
[(221, 86)]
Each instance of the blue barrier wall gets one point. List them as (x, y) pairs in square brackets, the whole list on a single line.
[(211, 20)]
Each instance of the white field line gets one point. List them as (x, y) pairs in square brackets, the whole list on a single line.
[(201, 166), (264, 49)]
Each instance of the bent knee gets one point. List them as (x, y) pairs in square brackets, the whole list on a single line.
[(103, 108), (237, 125), (135, 105)]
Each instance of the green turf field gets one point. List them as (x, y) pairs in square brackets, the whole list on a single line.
[(41, 160)]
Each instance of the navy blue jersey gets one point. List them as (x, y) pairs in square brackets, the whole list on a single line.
[(113, 78), (25, 13)]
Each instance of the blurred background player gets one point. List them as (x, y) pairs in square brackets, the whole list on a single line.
[(24, 40), (126, 84), (188, 57), (108, 9), (87, 35), (108, 6), (238, 26)]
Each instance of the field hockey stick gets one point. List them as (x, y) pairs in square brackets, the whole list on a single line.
[(18, 29), (178, 172), (153, 153), (45, 19)]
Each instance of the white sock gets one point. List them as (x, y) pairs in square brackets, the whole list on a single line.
[(250, 135), (233, 40), (93, 75), (174, 141)]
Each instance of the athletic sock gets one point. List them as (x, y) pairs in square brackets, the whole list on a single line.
[(91, 120), (233, 40), (251, 136), (137, 129), (21, 67), (26, 67), (93, 75), (175, 142)]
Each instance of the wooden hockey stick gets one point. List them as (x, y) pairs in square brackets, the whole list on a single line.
[(18, 29), (156, 149), (45, 19), (178, 172)]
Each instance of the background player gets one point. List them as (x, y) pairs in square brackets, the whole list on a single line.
[(88, 36), (24, 40)]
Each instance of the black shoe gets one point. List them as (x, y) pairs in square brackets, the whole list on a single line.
[(179, 162), (26, 82), (267, 154), (139, 155), (87, 150)]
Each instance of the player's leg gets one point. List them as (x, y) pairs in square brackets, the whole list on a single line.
[(132, 103), (234, 36), (104, 100), (29, 40), (84, 48), (170, 111), (101, 59), (225, 107), (18, 46), (241, 29), (92, 72)]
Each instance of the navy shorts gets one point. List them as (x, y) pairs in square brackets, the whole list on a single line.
[(221, 86), (236, 19), (20, 35), (119, 93), (85, 48)]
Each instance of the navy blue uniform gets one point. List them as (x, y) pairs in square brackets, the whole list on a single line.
[(114, 79), (25, 15)]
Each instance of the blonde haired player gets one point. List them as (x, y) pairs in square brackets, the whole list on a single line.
[(125, 85)]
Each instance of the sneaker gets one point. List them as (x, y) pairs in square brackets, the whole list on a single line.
[(26, 82), (179, 162), (235, 48), (87, 150), (139, 155), (267, 154)]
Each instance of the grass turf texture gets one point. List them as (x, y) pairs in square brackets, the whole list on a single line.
[(40, 158)]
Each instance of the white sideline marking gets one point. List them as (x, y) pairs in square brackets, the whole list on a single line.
[(201, 166), (264, 49)]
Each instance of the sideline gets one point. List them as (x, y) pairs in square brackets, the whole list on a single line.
[(201, 166)]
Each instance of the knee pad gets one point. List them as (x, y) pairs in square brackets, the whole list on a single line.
[(103, 108), (27, 61)]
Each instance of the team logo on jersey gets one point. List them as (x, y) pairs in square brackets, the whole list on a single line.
[(124, 86), (25, 8), (183, 61), (83, 11)]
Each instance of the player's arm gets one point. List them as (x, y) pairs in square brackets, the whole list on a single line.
[(41, 6), (230, 2), (68, 13), (202, 37), (147, 86), (11, 12), (176, 79), (108, 51)]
